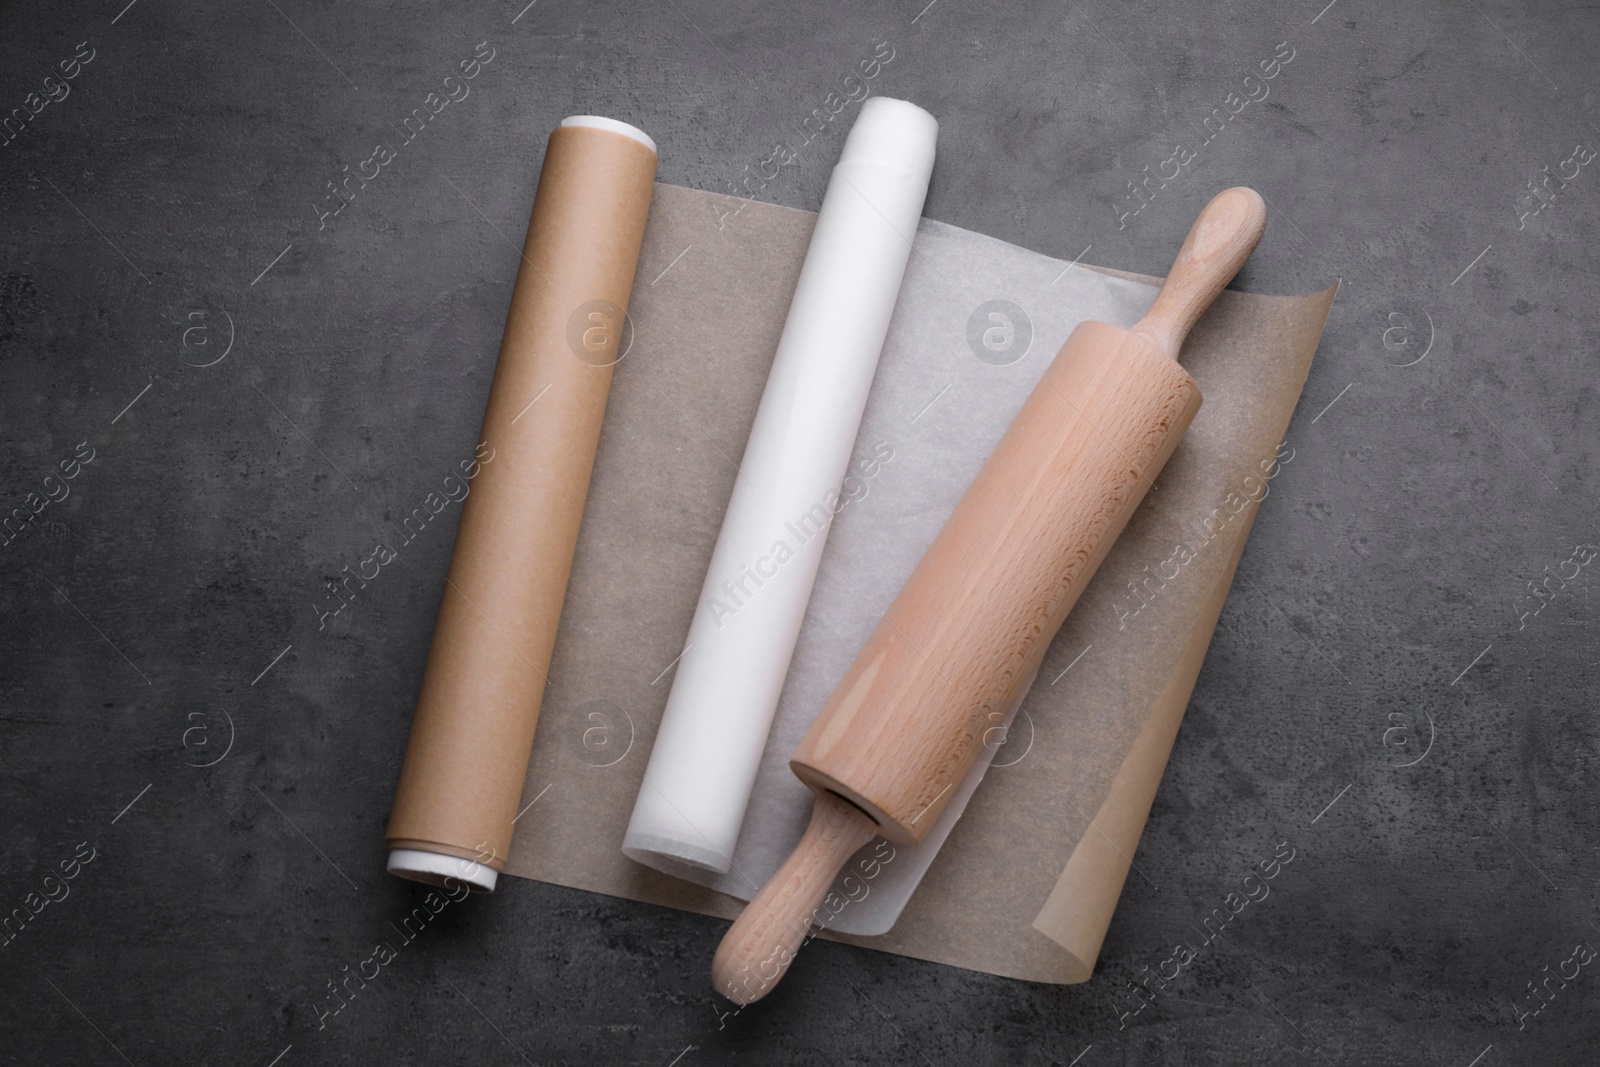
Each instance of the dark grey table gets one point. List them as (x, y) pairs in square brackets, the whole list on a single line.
[(1401, 686)]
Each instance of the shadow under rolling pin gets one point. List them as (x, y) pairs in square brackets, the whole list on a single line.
[(973, 622)]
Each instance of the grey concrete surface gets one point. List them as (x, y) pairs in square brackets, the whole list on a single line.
[(1384, 613)]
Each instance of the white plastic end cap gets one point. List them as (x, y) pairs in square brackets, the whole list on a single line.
[(432, 868), (600, 122)]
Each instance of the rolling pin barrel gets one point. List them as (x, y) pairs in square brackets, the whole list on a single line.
[(971, 625)]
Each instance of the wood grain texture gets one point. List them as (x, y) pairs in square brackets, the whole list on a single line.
[(971, 624), (756, 952), (1221, 239)]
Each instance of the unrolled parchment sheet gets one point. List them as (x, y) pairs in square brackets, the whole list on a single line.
[(1022, 886)]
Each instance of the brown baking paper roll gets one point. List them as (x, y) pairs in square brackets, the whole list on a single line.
[(474, 725), (1024, 885)]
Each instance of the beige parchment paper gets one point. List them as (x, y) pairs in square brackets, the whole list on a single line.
[(1024, 883)]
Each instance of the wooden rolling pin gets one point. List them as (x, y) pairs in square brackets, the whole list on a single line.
[(972, 623)]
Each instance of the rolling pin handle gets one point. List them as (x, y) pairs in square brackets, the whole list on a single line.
[(757, 950), (1221, 239)]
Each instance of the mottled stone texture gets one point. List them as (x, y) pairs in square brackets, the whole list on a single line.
[(1415, 574)]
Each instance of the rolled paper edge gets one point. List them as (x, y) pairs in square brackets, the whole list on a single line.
[(676, 856), (892, 133), (1078, 912)]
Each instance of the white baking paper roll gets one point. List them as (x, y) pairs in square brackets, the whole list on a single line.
[(754, 598)]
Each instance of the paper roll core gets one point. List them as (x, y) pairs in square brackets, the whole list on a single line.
[(600, 122), (436, 868)]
